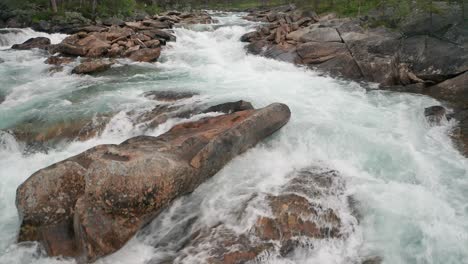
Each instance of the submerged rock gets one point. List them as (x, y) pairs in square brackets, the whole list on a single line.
[(168, 96), (435, 114), (34, 132), (298, 216), (461, 132), (33, 43), (230, 107), (103, 196)]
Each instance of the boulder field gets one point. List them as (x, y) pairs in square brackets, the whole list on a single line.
[(90, 205), (139, 40), (432, 61)]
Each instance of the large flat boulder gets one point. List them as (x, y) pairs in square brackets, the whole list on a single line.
[(90, 205), (376, 53), (432, 59), (332, 57)]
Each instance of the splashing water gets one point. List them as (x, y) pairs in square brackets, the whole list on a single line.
[(411, 184), (10, 36)]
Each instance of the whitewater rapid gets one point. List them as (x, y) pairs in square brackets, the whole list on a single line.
[(410, 182)]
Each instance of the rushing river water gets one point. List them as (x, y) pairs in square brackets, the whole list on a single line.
[(410, 182)]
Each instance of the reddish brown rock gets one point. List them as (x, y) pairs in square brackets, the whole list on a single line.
[(145, 55), (106, 207), (297, 219), (57, 60), (93, 66)]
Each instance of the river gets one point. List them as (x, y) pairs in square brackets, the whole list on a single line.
[(409, 181)]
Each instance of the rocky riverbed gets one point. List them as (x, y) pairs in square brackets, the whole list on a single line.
[(183, 158), (137, 40)]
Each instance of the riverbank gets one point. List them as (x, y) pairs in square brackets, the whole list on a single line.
[(412, 58)]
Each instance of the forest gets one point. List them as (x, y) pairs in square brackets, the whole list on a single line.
[(43, 9)]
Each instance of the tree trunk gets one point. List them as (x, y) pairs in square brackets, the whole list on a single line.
[(94, 8), (53, 4)]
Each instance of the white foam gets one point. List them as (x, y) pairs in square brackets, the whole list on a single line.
[(10, 36)]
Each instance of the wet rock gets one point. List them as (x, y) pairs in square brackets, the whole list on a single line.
[(435, 114), (93, 66), (33, 43), (343, 65), (155, 33), (169, 96), (249, 37), (57, 60), (101, 208), (454, 90), (145, 55), (418, 88), (373, 260), (257, 47), (229, 108), (296, 218), (35, 132), (291, 212), (461, 132)]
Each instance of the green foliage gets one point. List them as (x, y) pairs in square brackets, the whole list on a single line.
[(395, 9), (42, 15), (118, 8)]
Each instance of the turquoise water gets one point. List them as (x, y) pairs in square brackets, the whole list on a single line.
[(410, 182)]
